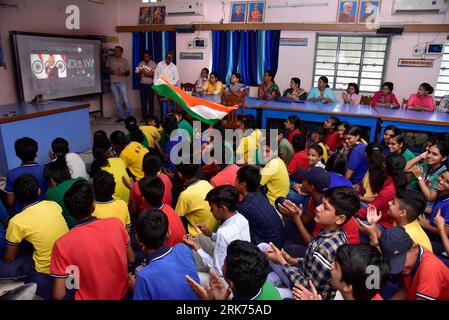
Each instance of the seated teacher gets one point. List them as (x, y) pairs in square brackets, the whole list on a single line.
[(213, 85), (199, 84), (295, 91), (385, 97), (236, 87), (422, 99), (322, 93), (352, 94), (268, 90)]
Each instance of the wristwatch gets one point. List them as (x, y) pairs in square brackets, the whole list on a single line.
[(420, 178)]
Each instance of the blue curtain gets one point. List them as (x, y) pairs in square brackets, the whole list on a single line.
[(250, 53), (157, 43), (1, 53)]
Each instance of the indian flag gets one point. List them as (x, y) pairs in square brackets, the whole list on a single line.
[(203, 110)]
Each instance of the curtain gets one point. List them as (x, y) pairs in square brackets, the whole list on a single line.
[(249, 53), (1, 53), (157, 43)]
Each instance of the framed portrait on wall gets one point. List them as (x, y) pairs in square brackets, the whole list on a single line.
[(347, 11), (158, 15), (369, 12), (238, 12), (145, 15), (256, 12)]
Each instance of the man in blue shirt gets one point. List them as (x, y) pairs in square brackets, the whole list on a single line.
[(265, 224), (163, 278), (26, 150)]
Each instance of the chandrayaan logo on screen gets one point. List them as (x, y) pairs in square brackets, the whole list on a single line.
[(45, 66)]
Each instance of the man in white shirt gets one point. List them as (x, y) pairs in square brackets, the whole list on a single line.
[(210, 247), (168, 68)]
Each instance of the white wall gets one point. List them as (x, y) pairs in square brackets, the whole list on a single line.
[(293, 61)]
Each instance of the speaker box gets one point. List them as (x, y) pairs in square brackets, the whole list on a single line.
[(185, 28), (390, 30)]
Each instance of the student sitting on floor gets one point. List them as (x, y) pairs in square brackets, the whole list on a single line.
[(153, 189), (248, 145), (265, 225), (350, 274), (3, 221), (299, 159), (424, 276), (404, 209), (151, 168), (245, 270), (99, 248), (442, 230), (131, 152), (134, 132), (105, 205), (210, 247), (332, 137), (60, 149), (152, 131), (293, 126), (191, 202), (315, 154), (339, 205), (357, 165), (26, 151), (163, 278), (57, 175), (104, 162), (285, 148), (40, 223)]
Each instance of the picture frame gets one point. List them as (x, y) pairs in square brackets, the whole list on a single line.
[(369, 12), (145, 15), (238, 12), (158, 15), (256, 12), (347, 11)]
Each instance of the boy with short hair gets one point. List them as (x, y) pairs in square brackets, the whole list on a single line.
[(26, 150), (191, 202), (105, 205), (299, 159), (131, 152), (99, 248), (339, 205), (40, 223), (151, 130), (211, 247), (352, 270), (245, 270), (152, 189), (285, 148), (163, 278), (425, 277)]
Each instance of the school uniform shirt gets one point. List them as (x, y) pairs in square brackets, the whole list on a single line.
[(136, 194), (350, 228), (275, 176), (386, 194), (76, 166), (317, 263), (163, 278), (248, 147), (57, 193), (144, 142), (98, 248), (442, 203), (152, 134), (194, 208), (41, 224), (267, 292), (234, 228), (265, 225), (185, 125), (36, 170), (429, 278), (113, 209), (299, 160), (424, 101), (117, 168), (227, 176), (132, 156), (3, 217), (367, 187), (286, 148), (175, 226), (418, 235), (292, 134), (332, 141), (357, 163), (183, 135), (408, 155)]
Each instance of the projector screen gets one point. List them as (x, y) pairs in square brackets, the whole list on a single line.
[(56, 66)]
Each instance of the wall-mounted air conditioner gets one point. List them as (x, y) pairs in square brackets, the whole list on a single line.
[(188, 8), (419, 6)]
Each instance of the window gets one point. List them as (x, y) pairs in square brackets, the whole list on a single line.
[(345, 59), (442, 88)]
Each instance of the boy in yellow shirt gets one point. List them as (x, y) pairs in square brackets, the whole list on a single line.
[(40, 223), (105, 205), (151, 130), (131, 153), (191, 202)]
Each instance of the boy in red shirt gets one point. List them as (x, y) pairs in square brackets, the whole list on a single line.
[(94, 255), (299, 159), (332, 138)]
